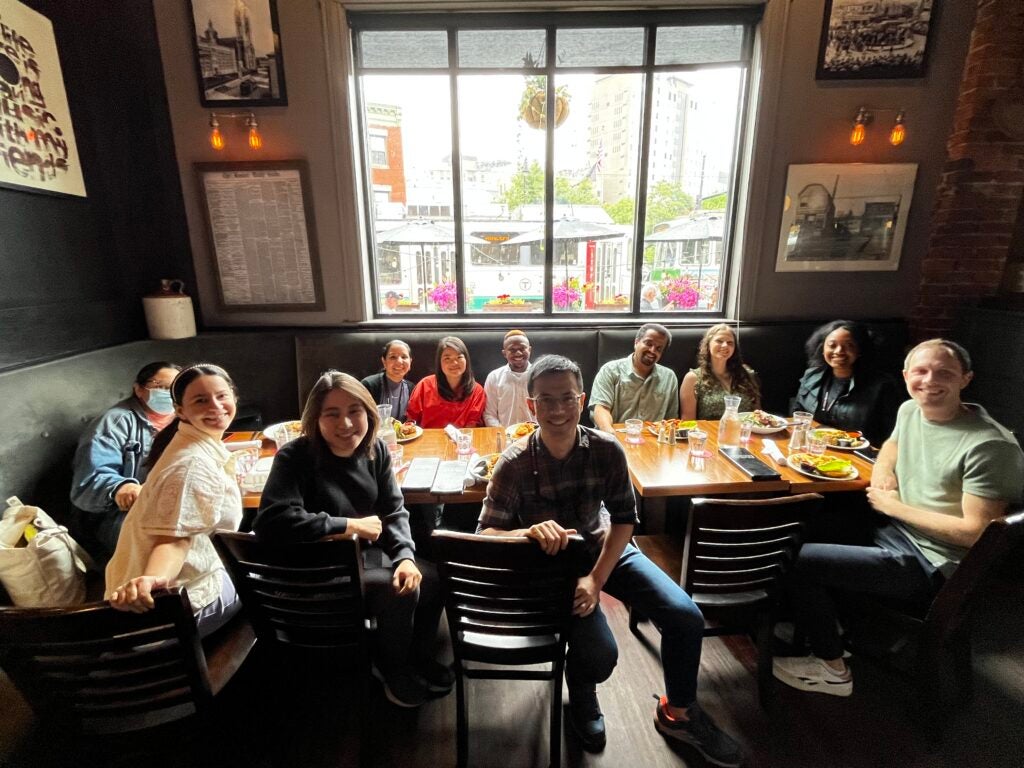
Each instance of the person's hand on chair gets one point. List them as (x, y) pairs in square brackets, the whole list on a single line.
[(136, 595), (550, 536)]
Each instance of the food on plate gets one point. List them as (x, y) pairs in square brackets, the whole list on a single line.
[(825, 465), (486, 466), (406, 429), (678, 424), (838, 437), (764, 419), (521, 430)]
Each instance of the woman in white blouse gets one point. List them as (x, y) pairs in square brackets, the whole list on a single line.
[(190, 492)]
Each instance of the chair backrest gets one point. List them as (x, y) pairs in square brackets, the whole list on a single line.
[(107, 671), (736, 549), (1001, 539), (306, 595), (498, 588)]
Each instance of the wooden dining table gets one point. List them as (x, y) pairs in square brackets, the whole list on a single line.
[(657, 470), (432, 443), (661, 470)]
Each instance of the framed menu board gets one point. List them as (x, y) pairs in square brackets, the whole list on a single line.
[(259, 218)]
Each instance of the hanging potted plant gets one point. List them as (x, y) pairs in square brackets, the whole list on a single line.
[(534, 102)]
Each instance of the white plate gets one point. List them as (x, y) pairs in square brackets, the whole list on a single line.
[(257, 477), (479, 467), (757, 430), (283, 432), (854, 474), (862, 443), (510, 431), (413, 436)]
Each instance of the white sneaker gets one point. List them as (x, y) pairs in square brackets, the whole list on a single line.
[(809, 673)]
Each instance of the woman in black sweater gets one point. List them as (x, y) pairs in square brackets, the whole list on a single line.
[(336, 480)]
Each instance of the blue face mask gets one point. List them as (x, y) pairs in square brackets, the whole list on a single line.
[(160, 401)]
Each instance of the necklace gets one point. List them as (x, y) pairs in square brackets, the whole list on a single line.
[(836, 389)]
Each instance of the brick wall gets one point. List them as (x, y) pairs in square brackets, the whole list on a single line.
[(979, 197)]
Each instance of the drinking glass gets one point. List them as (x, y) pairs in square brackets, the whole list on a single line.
[(633, 429), (397, 455), (798, 438), (745, 429), (815, 444), (465, 443), (696, 438)]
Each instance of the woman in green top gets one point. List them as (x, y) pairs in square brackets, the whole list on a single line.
[(720, 371)]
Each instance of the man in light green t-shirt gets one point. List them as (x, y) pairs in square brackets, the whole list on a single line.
[(947, 471), (636, 387)]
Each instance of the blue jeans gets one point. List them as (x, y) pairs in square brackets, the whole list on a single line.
[(636, 580), (892, 567)]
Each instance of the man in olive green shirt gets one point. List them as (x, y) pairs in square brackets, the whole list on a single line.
[(636, 387), (947, 471)]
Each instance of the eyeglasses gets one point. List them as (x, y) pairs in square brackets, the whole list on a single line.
[(153, 384), (546, 403)]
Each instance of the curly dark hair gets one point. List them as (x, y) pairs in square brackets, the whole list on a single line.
[(862, 337), (742, 381)]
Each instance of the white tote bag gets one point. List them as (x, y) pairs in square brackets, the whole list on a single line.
[(49, 569)]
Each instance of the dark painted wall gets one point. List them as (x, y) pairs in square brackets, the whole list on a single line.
[(72, 270)]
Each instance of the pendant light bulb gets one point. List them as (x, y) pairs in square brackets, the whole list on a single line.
[(859, 132), (216, 138), (899, 130), (255, 140)]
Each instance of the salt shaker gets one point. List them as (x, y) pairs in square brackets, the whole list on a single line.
[(671, 436), (798, 440)]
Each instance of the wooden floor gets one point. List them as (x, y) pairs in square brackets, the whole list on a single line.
[(263, 723)]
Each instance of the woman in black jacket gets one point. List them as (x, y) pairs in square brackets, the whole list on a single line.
[(389, 386), (336, 480), (842, 385)]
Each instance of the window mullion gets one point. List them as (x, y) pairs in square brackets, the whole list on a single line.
[(453, 83), (549, 169), (640, 218)]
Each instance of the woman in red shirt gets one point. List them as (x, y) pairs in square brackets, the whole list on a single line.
[(450, 395)]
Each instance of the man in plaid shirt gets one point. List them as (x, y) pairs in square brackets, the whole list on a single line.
[(565, 479)]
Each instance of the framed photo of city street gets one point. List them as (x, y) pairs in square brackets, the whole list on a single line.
[(238, 53), (862, 40), (845, 217)]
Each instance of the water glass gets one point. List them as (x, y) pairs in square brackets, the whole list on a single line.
[(697, 438), (816, 445), (397, 455), (633, 429), (465, 443), (801, 425), (746, 428), (245, 461)]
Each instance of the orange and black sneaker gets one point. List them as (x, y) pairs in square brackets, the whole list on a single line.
[(700, 732)]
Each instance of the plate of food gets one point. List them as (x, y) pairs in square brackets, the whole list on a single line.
[(840, 439), (682, 427), (824, 467), (763, 423), (406, 431), (483, 467), (522, 429), (283, 432)]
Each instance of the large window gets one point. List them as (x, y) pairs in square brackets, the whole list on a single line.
[(621, 203)]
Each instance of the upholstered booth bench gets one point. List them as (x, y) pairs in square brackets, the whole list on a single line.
[(45, 407)]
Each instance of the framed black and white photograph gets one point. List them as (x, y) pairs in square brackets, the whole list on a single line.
[(259, 220), (884, 39), (238, 53), (845, 217)]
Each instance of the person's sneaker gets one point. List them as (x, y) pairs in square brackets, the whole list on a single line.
[(401, 687), (586, 719), (436, 678), (700, 732), (809, 673)]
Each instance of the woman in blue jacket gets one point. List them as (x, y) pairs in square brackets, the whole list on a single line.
[(108, 467)]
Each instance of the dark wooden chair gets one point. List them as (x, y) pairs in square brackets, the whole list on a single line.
[(731, 561), (304, 596), (97, 670), (306, 604), (937, 637), (508, 605)]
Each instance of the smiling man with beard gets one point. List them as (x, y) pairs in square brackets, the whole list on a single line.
[(636, 387)]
